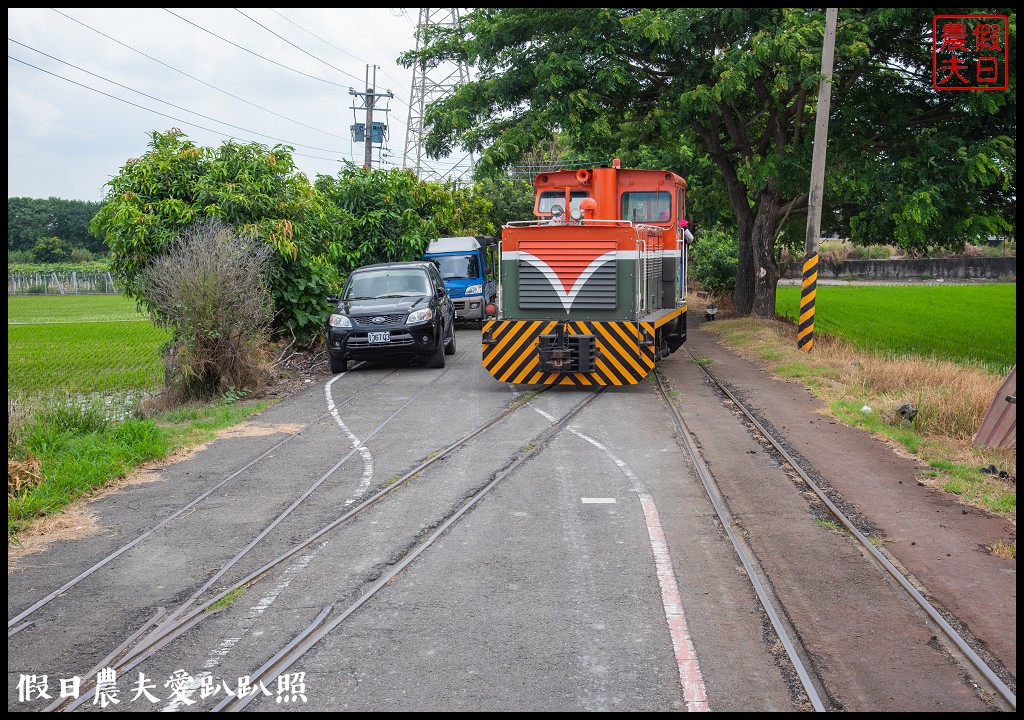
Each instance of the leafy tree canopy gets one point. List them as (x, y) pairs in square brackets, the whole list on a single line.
[(319, 231), (31, 219), (255, 190), (685, 88)]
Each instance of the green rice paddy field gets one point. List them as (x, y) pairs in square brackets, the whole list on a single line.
[(81, 344), (89, 344), (973, 324)]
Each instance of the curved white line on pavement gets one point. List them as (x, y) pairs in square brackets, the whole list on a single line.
[(690, 678), (254, 613), (364, 451)]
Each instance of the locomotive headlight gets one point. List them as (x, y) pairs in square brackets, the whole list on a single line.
[(576, 214), (475, 290), (557, 211), (419, 316), (340, 321)]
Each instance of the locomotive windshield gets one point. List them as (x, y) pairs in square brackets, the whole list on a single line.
[(653, 206), (550, 198)]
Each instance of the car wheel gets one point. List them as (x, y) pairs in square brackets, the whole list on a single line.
[(337, 364), (449, 348), (436, 359)]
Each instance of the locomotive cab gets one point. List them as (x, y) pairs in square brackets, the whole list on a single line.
[(592, 290)]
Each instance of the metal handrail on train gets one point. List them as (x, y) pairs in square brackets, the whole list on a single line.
[(567, 221)]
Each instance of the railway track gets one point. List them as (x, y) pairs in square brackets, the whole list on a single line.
[(351, 593), (964, 655), (325, 623), (165, 626)]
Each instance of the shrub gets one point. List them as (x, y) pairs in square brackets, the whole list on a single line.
[(19, 256), (211, 288), (82, 255), (714, 257), (51, 250), (836, 251), (875, 252)]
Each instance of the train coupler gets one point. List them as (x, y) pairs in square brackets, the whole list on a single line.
[(562, 352)]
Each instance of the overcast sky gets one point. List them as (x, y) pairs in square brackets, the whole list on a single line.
[(86, 87)]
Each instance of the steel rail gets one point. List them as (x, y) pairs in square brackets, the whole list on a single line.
[(711, 488), (304, 642), (176, 624), (144, 651), (128, 546), (176, 514), (975, 660)]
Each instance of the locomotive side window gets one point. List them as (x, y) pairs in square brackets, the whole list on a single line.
[(655, 206), (549, 198)]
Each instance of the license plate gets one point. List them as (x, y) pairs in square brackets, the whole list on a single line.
[(379, 337)]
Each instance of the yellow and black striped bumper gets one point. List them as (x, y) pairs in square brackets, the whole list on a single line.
[(625, 351)]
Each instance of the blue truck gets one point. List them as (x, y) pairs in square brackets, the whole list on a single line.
[(467, 267)]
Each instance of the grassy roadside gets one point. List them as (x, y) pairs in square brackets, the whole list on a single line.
[(80, 370), (863, 388), (64, 450)]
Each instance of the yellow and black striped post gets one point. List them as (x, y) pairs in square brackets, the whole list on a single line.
[(805, 328)]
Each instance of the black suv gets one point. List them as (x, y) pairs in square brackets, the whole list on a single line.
[(392, 310)]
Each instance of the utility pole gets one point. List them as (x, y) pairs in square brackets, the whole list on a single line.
[(369, 99), (808, 289)]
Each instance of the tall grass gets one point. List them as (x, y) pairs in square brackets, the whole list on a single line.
[(71, 450)]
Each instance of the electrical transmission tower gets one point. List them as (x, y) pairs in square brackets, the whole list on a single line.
[(430, 83)]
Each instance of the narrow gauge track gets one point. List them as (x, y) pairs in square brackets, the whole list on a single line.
[(164, 627), (746, 557), (982, 671), (295, 649), (14, 624)]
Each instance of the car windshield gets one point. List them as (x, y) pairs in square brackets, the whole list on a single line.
[(374, 284), (457, 267)]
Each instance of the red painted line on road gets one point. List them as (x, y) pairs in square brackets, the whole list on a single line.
[(690, 677)]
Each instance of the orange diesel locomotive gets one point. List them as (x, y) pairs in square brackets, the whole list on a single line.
[(592, 290)]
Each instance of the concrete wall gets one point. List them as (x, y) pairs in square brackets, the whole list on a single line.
[(984, 268)]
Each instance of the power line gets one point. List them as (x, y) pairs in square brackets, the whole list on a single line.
[(330, 44), (199, 80), (219, 37), (335, 155), (156, 112), (165, 102), (251, 52), (284, 39)]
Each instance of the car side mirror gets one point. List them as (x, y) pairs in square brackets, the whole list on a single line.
[(333, 299), (439, 292)]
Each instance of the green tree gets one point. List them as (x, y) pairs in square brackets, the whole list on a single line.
[(510, 200), (251, 188), (51, 250), (737, 87), (388, 216), (31, 219), (27, 222), (69, 220)]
